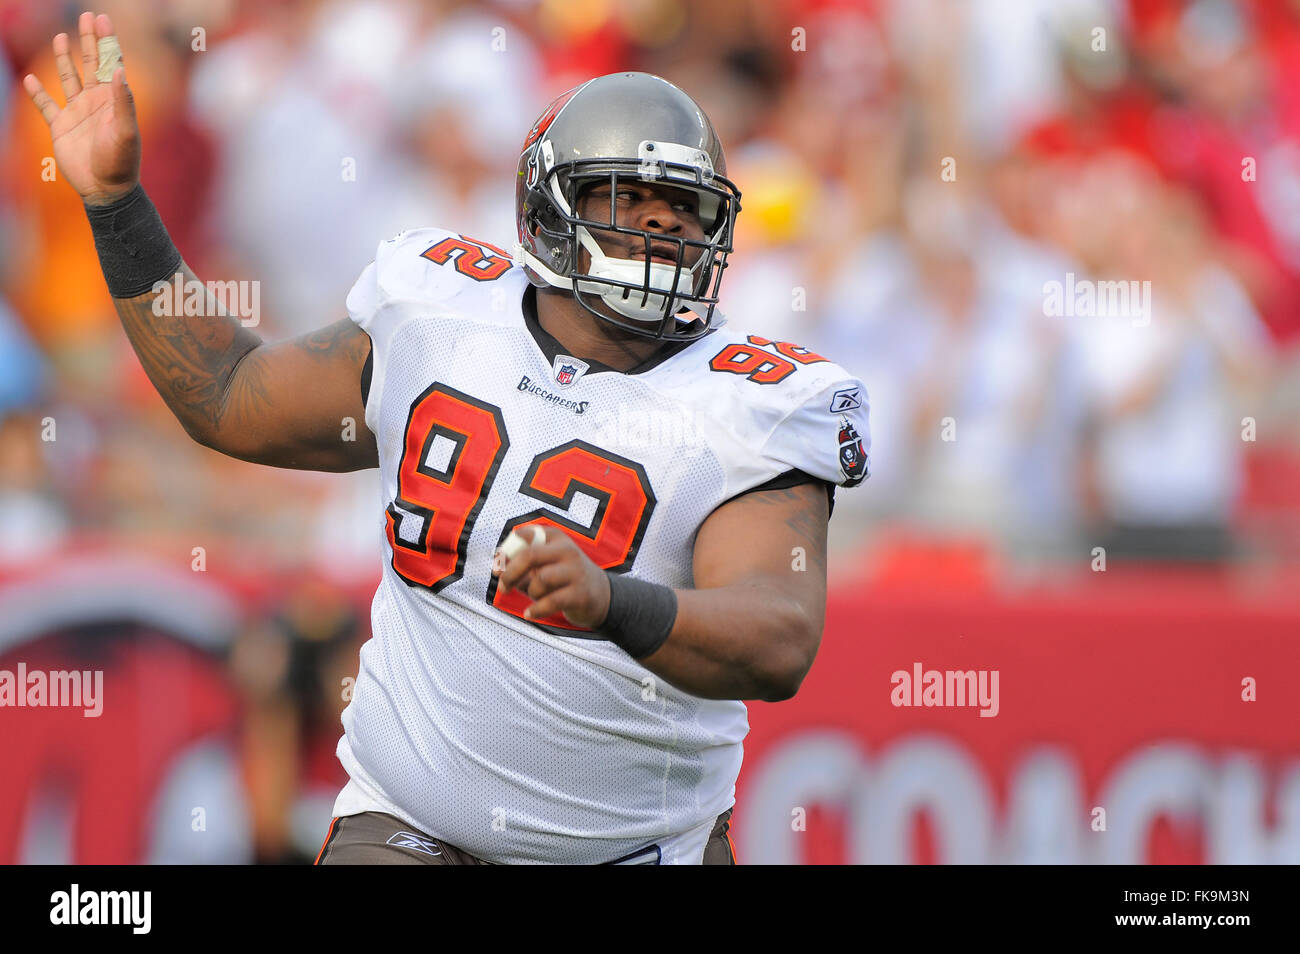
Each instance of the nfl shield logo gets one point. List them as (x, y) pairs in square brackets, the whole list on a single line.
[(567, 369)]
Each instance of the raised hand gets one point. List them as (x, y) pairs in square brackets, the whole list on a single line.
[(95, 135)]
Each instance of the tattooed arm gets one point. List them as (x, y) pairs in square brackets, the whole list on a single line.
[(288, 404), (752, 625), (292, 404)]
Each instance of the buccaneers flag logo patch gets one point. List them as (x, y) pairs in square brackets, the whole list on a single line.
[(853, 459)]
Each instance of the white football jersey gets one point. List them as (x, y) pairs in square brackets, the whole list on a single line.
[(525, 742)]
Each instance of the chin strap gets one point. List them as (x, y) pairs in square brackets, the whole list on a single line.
[(637, 304)]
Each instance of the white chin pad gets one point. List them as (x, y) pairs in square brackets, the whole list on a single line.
[(632, 302)]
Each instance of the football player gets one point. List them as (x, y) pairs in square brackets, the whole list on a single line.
[(604, 513)]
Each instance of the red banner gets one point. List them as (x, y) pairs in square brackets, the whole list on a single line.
[(1137, 721), (1120, 720)]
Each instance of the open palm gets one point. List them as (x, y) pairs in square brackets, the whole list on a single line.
[(96, 138)]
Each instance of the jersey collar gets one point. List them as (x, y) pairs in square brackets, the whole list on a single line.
[(552, 348)]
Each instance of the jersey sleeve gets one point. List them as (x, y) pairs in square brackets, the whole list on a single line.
[(398, 276), (362, 305), (826, 434)]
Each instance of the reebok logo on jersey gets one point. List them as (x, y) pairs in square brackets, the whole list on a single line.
[(846, 400), (406, 839), (567, 369), (853, 459), (527, 385)]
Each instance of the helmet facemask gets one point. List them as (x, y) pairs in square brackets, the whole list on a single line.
[(670, 301)]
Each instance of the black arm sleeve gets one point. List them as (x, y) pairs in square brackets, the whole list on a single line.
[(793, 478), (366, 372)]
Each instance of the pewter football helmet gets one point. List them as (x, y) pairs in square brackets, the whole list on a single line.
[(626, 127)]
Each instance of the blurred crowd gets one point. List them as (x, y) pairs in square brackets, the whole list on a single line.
[(916, 174), (925, 184)]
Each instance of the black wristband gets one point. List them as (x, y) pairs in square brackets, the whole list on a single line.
[(641, 614), (135, 251)]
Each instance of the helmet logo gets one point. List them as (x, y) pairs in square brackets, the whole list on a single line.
[(548, 117), (531, 179)]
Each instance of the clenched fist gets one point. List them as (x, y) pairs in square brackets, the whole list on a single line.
[(96, 138), (558, 577)]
